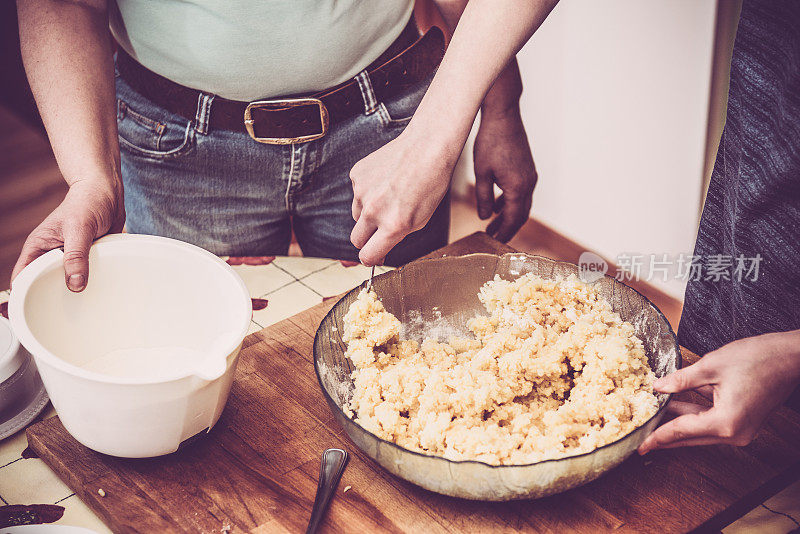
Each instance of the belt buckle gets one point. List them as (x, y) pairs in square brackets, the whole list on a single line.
[(286, 103)]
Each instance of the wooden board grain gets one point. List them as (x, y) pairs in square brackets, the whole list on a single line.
[(256, 471)]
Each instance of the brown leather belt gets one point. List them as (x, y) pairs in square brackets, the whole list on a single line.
[(300, 118)]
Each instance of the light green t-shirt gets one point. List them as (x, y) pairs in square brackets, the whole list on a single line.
[(249, 50)]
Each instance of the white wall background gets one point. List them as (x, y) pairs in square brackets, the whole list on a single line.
[(616, 107)]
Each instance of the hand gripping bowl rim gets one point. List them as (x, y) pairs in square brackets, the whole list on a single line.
[(16, 306), (391, 444)]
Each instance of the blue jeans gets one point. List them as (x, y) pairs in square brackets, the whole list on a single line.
[(225, 192)]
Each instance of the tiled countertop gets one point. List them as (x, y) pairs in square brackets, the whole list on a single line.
[(284, 286)]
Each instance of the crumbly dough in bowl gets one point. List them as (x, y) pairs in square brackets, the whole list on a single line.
[(552, 371)]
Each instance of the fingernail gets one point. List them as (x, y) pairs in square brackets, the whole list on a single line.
[(660, 383), (76, 282)]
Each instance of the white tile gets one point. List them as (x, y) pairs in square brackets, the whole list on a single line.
[(285, 302), (48, 412), (30, 481), (254, 327), (11, 448), (787, 501), (300, 267), (336, 279), (760, 521), (261, 279), (77, 514)]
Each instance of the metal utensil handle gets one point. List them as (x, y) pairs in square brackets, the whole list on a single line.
[(371, 276), (330, 471)]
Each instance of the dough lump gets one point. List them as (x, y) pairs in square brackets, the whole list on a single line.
[(552, 371)]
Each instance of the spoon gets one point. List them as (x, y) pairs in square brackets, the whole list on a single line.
[(371, 275), (330, 471)]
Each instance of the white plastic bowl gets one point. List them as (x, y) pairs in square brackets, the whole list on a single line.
[(144, 357)]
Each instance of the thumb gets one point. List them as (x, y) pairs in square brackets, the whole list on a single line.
[(77, 241), (691, 377), (484, 194)]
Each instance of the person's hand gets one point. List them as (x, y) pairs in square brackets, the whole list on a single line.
[(503, 157), (396, 189), (89, 210), (747, 379)]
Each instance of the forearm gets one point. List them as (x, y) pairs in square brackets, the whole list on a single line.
[(787, 353), (486, 38), (504, 95), (67, 54), (505, 92)]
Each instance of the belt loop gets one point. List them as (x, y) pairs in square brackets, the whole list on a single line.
[(203, 115), (367, 93)]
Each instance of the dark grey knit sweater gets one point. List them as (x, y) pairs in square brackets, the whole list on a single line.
[(753, 203)]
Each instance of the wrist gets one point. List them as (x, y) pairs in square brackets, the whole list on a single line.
[(794, 344), (435, 141), (787, 345), (502, 99), (107, 178), (500, 111), (108, 185)]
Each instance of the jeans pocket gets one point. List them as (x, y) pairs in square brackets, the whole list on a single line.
[(388, 120), (143, 135), (397, 111)]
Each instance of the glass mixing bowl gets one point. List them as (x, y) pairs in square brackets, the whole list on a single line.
[(436, 296)]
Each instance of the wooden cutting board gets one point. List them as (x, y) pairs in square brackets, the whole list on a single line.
[(257, 470)]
